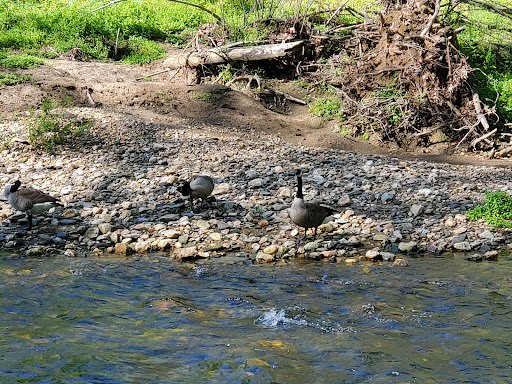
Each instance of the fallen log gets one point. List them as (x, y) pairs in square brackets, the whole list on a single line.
[(222, 55), (503, 152)]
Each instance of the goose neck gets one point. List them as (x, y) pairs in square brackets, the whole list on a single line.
[(299, 187)]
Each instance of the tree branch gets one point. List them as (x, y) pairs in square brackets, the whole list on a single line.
[(432, 19)]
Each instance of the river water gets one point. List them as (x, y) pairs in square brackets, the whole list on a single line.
[(148, 319)]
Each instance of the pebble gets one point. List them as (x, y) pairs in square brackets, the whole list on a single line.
[(407, 246), (385, 205), (401, 262), (185, 253), (262, 257), (122, 248)]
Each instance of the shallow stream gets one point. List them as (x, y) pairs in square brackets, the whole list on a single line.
[(148, 319)]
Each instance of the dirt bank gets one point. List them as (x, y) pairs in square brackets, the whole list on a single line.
[(169, 98)]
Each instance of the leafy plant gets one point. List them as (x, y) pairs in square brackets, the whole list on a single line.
[(365, 135), (226, 73), (326, 107), (345, 131), (496, 211), (52, 126), (7, 79)]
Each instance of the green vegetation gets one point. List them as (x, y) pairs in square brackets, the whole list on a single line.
[(33, 27), (130, 30), (215, 94), (487, 41), (497, 210), (52, 126), (326, 107), (19, 61), (133, 31), (5, 143), (7, 79), (141, 51), (203, 96)]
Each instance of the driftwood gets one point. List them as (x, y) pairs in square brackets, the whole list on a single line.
[(223, 55), (290, 98), (249, 79), (484, 137), (503, 152), (478, 109)]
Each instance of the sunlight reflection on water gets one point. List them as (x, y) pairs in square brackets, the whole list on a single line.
[(150, 319)]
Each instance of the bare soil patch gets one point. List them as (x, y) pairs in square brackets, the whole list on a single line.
[(168, 98)]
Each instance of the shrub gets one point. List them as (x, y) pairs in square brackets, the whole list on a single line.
[(51, 126), (326, 107), (141, 51), (496, 211)]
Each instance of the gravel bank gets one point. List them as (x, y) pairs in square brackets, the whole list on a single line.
[(119, 191)]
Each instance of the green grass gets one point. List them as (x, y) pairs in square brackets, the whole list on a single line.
[(64, 25), (496, 211), (203, 96), (19, 60), (7, 79), (487, 42)]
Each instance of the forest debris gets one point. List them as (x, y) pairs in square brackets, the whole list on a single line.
[(222, 55), (165, 70), (89, 97), (478, 109), (291, 98), (504, 152), (249, 79), (484, 137), (432, 19)]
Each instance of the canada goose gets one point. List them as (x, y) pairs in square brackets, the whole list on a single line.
[(197, 186), (307, 215), (29, 200)]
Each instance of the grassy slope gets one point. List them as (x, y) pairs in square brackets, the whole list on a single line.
[(52, 27)]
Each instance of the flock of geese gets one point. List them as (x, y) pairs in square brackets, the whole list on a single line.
[(302, 213)]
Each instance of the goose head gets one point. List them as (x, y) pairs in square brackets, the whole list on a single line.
[(184, 188), (11, 188)]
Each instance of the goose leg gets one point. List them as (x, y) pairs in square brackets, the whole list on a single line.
[(192, 204), (29, 216)]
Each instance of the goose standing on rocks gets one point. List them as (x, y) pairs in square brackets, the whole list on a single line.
[(29, 200), (307, 215), (197, 187)]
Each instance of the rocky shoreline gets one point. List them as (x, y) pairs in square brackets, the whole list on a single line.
[(118, 186)]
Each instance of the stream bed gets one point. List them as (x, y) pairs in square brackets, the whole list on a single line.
[(148, 319)]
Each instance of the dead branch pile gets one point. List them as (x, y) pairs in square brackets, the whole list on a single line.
[(398, 73), (402, 78)]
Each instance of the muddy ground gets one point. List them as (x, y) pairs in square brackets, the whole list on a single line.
[(171, 97)]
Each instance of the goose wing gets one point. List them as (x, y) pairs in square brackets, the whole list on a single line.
[(316, 213), (35, 196)]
